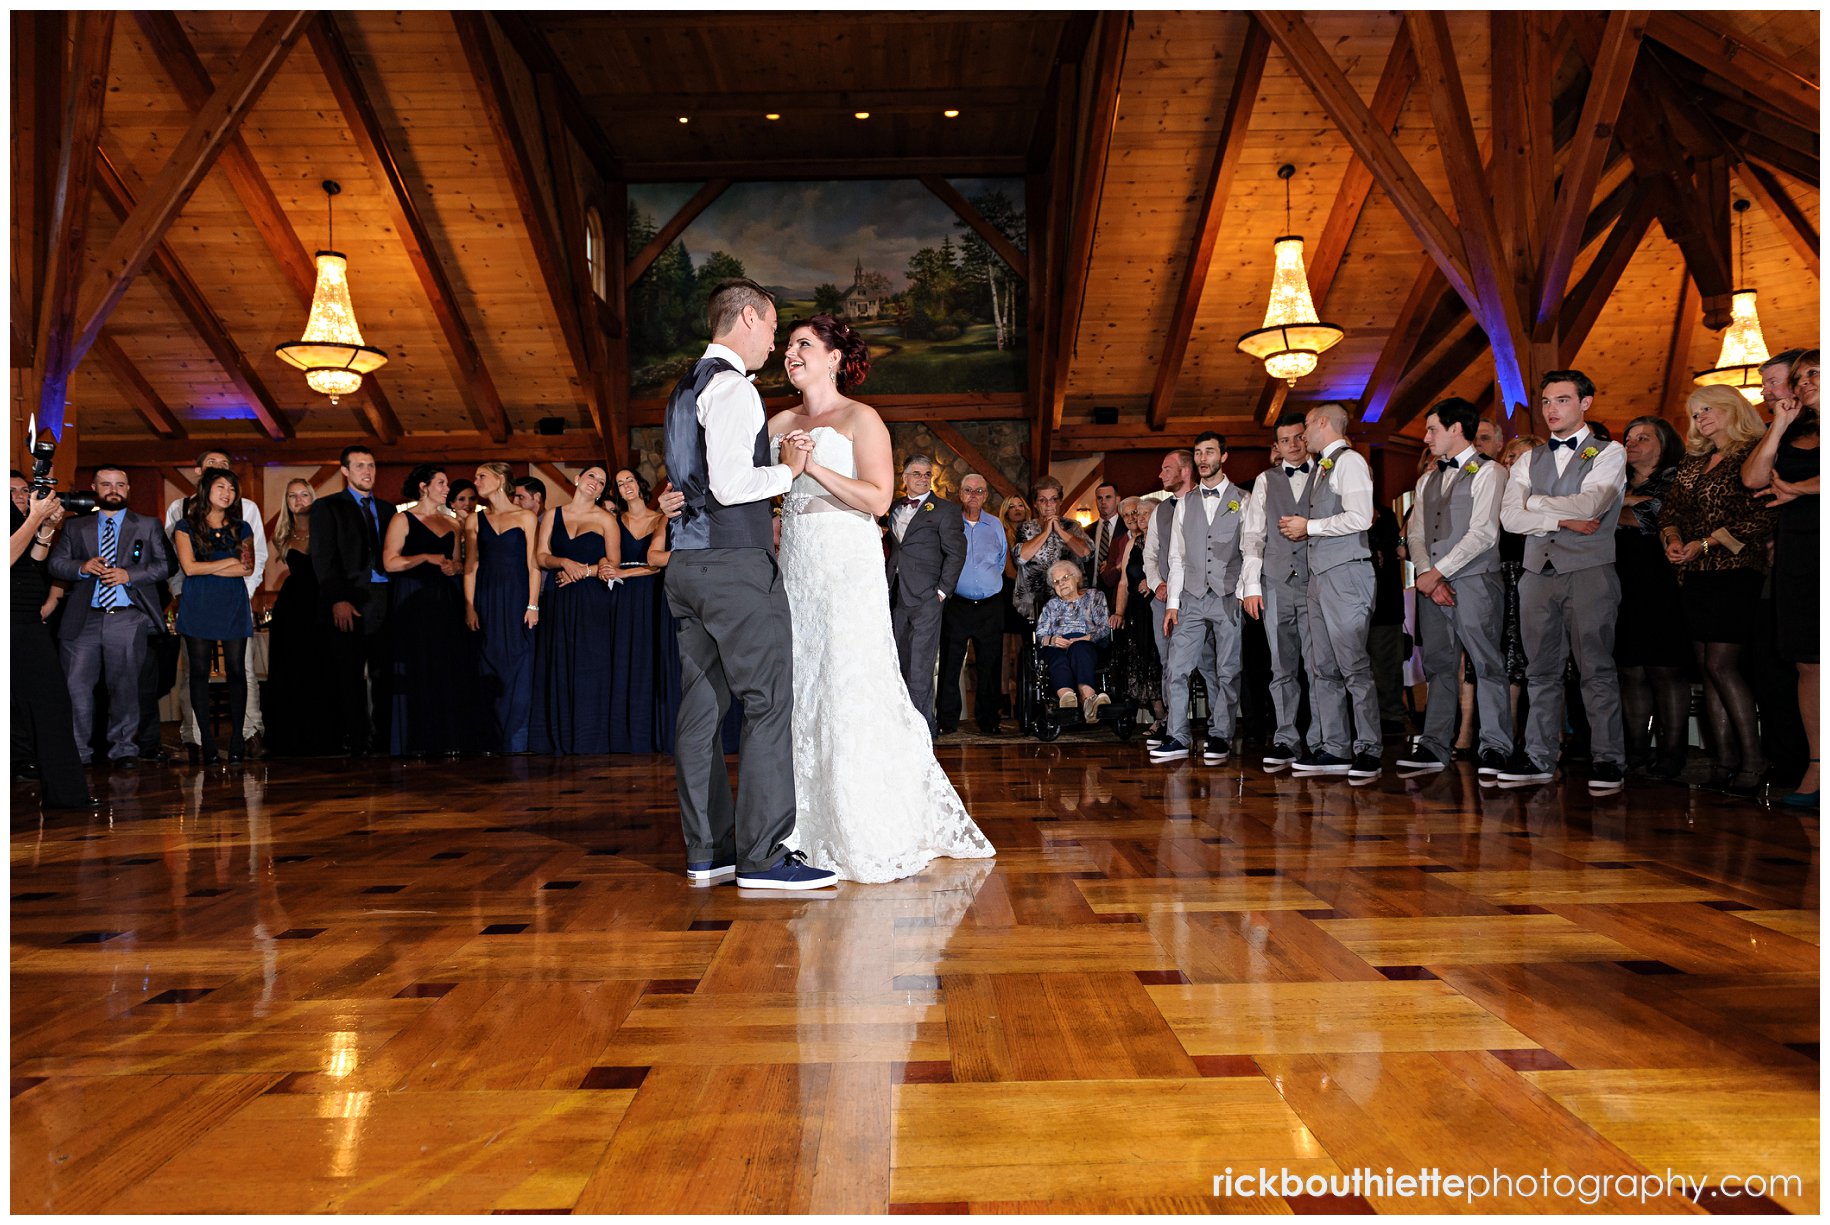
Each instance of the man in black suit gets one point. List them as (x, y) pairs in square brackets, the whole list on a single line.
[(1108, 536), (346, 533), (115, 561), (927, 549)]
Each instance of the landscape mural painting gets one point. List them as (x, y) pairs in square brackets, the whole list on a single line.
[(942, 313)]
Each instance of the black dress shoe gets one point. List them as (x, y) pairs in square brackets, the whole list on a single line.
[(947, 729), (87, 803), (989, 729), (25, 772), (124, 763)]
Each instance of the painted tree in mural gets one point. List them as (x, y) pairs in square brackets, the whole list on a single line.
[(828, 299), (667, 305), (980, 265)]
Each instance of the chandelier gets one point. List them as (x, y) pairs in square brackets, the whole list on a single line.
[(1292, 338), (1743, 347), (332, 354)]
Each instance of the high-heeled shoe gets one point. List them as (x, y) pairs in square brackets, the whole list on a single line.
[(1802, 799), (1746, 784)]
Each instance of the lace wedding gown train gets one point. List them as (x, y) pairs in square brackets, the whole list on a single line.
[(871, 802)]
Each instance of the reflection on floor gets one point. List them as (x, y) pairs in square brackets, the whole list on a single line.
[(485, 986)]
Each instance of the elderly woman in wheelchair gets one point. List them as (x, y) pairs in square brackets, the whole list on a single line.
[(1069, 633)]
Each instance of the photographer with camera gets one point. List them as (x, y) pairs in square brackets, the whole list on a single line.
[(44, 740), (114, 559)]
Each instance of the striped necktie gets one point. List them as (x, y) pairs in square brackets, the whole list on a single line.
[(109, 597), (1105, 543)]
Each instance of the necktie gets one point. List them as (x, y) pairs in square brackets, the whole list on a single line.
[(109, 597), (368, 512), (1302, 467), (1562, 442), (1105, 541)]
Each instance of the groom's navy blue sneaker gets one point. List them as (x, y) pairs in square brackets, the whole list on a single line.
[(793, 872), (709, 872)]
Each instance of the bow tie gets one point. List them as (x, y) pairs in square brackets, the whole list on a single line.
[(1563, 442), (1210, 493), (1443, 465), (911, 501), (1302, 467)]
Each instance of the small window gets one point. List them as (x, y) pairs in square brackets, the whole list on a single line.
[(594, 254)]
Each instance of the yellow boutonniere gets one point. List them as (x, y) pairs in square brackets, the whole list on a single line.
[(1327, 465), (1470, 467), (1233, 505), (927, 506), (1589, 453)]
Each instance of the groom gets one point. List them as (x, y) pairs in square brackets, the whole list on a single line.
[(726, 592)]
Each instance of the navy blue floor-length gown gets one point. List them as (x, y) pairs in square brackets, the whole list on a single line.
[(506, 669), (436, 705), (571, 708)]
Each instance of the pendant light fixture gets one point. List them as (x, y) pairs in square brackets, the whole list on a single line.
[(332, 354), (1743, 347), (1292, 338)]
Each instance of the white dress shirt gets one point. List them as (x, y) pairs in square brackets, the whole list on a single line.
[(1252, 531), (1151, 574), (1178, 551), (250, 515), (1538, 514), (1483, 516), (731, 413), (1352, 479)]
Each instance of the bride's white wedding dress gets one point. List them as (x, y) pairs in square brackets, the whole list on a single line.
[(871, 803)]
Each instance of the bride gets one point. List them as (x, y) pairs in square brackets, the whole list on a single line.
[(871, 802)]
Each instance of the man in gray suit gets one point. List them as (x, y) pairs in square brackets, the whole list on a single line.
[(1178, 477), (1275, 582), (927, 551), (1202, 620), (114, 559), (1565, 499), (1455, 535), (1337, 511)]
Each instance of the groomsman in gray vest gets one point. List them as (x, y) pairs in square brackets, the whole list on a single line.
[(1455, 535), (1178, 477), (1565, 499), (725, 592), (1274, 585), (1202, 618), (1337, 511)]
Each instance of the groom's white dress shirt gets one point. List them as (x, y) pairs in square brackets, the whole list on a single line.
[(731, 413)]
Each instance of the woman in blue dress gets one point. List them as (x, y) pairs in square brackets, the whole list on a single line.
[(644, 691), (435, 677), (216, 549), (502, 602), (580, 542)]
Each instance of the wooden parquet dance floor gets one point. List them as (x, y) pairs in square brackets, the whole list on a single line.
[(485, 986)]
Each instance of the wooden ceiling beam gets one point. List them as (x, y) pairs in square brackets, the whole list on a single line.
[(1678, 383), (135, 389), (191, 159), (1394, 88), (759, 171), (166, 39), (196, 309), (676, 225), (1089, 186), (970, 101), (538, 57), (1045, 296), (1088, 439), (1594, 134), (1457, 349), (325, 448), (567, 485), (1373, 144), (57, 346), (475, 384), (1524, 139), (1496, 303), (1248, 73), (1777, 203), (975, 459), (1426, 291), (1698, 36), (1013, 256), (1582, 305)]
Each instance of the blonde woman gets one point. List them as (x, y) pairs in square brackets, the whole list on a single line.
[(301, 712), (1012, 514), (1715, 532)]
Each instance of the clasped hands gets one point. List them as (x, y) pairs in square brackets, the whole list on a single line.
[(796, 450), (105, 574), (1433, 584)]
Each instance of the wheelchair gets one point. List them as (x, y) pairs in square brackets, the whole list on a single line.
[(1039, 714)]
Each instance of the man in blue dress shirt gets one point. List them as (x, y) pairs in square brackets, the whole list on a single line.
[(974, 615)]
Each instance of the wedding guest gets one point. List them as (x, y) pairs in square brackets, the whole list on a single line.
[(974, 615), (347, 529), (1565, 499), (1784, 470), (1489, 439), (1386, 648), (926, 548), (1177, 477), (461, 502), (1202, 615), (216, 553), (644, 690), (530, 495), (1140, 669), (1107, 534), (1775, 680), (1041, 542), (502, 604), (301, 708), (435, 666), (1012, 515), (44, 740), (581, 544), (1653, 655), (1069, 630), (1715, 532)]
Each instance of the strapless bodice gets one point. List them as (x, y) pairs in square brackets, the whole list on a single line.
[(807, 496)]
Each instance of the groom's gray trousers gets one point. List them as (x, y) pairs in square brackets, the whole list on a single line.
[(736, 641)]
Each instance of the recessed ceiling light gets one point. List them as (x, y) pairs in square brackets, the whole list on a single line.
[(951, 114), (772, 116), (861, 115), (683, 119)]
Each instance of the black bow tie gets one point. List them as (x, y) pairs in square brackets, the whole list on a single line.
[(1443, 465), (1210, 493), (1289, 471), (911, 501), (1563, 442)]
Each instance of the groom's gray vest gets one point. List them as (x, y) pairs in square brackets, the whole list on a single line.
[(706, 523)]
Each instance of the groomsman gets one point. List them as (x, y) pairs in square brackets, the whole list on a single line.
[(1202, 618), (927, 550), (1565, 499), (1178, 477), (1337, 511), (1274, 585), (1455, 535)]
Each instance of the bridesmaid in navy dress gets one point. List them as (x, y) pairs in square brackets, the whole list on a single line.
[(502, 600), (644, 691), (581, 541), (435, 689)]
